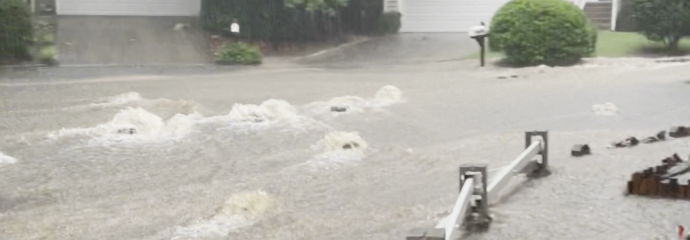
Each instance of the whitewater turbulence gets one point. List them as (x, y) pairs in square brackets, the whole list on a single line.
[(272, 112), (385, 96), (239, 211), (338, 149), (6, 160), (135, 124)]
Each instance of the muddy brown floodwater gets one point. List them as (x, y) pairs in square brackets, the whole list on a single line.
[(260, 155)]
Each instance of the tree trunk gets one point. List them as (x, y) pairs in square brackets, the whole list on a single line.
[(673, 42)]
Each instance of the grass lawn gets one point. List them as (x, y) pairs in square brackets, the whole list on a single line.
[(619, 44)]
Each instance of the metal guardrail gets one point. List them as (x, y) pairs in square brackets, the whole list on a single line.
[(471, 206)]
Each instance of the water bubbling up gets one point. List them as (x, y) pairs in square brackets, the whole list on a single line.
[(239, 211), (135, 124), (338, 149), (385, 96)]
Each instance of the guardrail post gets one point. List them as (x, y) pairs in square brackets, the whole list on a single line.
[(471, 170), (544, 152)]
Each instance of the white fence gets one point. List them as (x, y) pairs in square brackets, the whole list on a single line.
[(476, 189)]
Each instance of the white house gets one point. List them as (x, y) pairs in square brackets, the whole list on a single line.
[(452, 15), (128, 7)]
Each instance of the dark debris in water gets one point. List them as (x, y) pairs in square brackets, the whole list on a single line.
[(580, 150), (352, 145), (338, 109), (129, 131)]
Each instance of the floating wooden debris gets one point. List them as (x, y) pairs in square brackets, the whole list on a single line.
[(666, 180)]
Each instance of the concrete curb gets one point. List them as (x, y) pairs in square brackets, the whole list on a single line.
[(333, 49), (33, 65)]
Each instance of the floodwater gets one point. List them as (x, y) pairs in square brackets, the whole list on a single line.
[(261, 154)]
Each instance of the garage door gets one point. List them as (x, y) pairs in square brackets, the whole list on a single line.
[(446, 15), (129, 7)]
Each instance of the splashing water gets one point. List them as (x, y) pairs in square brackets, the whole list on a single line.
[(385, 96), (388, 95), (135, 124), (339, 148), (605, 109), (269, 113), (6, 160), (241, 210)]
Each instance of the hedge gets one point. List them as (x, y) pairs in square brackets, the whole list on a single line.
[(272, 21), (15, 30)]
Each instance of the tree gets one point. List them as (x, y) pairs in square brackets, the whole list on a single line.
[(15, 30), (666, 21)]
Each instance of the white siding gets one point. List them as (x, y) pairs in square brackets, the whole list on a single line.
[(129, 7), (446, 15)]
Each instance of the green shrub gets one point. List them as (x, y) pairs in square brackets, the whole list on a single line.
[(389, 23), (552, 32), (239, 53), (15, 30), (46, 39), (48, 55), (665, 21)]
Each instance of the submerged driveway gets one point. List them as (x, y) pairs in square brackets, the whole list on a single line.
[(403, 48)]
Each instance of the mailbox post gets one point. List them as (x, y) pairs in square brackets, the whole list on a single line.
[(235, 30), (480, 33)]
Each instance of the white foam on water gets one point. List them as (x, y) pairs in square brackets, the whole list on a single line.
[(272, 112), (385, 96), (241, 210), (388, 95), (6, 160), (605, 109), (339, 149), (146, 125)]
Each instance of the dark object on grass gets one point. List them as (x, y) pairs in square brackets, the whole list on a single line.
[(129, 131), (678, 132), (650, 140), (338, 109), (672, 160), (629, 142), (580, 150), (661, 136), (632, 141)]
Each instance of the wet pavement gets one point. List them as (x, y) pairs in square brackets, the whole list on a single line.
[(404, 48)]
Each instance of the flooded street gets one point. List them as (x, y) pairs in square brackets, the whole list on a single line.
[(261, 154)]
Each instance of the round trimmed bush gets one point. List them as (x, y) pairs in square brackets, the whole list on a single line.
[(551, 32), (15, 30), (239, 54)]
